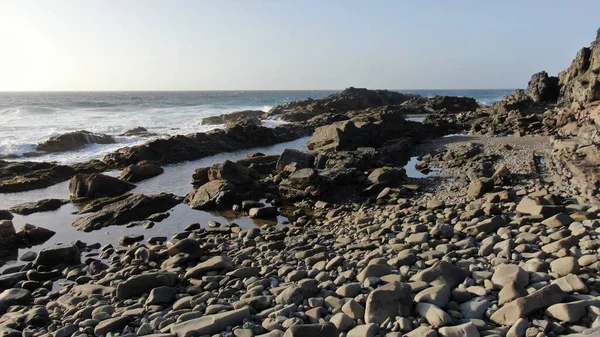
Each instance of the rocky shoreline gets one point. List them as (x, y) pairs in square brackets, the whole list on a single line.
[(501, 241)]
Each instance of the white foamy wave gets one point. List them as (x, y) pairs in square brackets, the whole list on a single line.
[(272, 123), (10, 148)]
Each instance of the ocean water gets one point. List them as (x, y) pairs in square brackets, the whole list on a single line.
[(28, 118)]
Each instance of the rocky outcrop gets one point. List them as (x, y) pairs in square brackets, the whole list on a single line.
[(581, 159), (194, 146), (222, 185), (440, 104), (580, 83), (370, 128), (44, 205), (543, 88), (235, 173), (141, 171), (124, 210), (26, 236), (74, 141), (347, 100), (233, 117), (25, 176), (90, 186)]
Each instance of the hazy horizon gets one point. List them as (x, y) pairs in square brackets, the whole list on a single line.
[(257, 45)]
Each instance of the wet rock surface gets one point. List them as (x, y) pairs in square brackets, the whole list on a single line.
[(73, 141)]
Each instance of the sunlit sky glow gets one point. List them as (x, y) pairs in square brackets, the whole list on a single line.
[(256, 45)]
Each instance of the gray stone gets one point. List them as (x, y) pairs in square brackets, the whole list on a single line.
[(111, 325), (387, 302), (441, 273), (216, 263), (565, 266), (522, 307), (433, 314), (144, 283), (53, 256), (312, 330), (463, 330), (365, 330), (507, 273), (210, 324), (161, 295), (439, 295)]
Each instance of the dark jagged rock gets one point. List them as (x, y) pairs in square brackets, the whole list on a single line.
[(141, 171), (73, 141), (132, 208), (194, 146), (44, 205), (542, 88), (440, 104), (213, 194), (236, 116), (30, 235), (298, 158), (234, 173), (25, 176), (5, 215), (90, 186)]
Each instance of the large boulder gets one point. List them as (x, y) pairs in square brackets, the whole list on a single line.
[(144, 283), (25, 176), (234, 173), (214, 194), (299, 159), (302, 183), (543, 88), (73, 141), (57, 255), (334, 137), (452, 104), (141, 171), (33, 235), (121, 211), (95, 185), (7, 234), (580, 83), (387, 176), (387, 302), (211, 324), (524, 306), (441, 273)]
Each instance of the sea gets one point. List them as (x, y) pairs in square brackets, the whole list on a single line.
[(28, 118)]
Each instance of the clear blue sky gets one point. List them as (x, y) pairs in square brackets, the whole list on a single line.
[(280, 44)]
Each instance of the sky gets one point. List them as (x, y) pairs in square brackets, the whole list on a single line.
[(79, 45)]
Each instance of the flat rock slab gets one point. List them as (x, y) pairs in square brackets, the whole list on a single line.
[(211, 324)]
